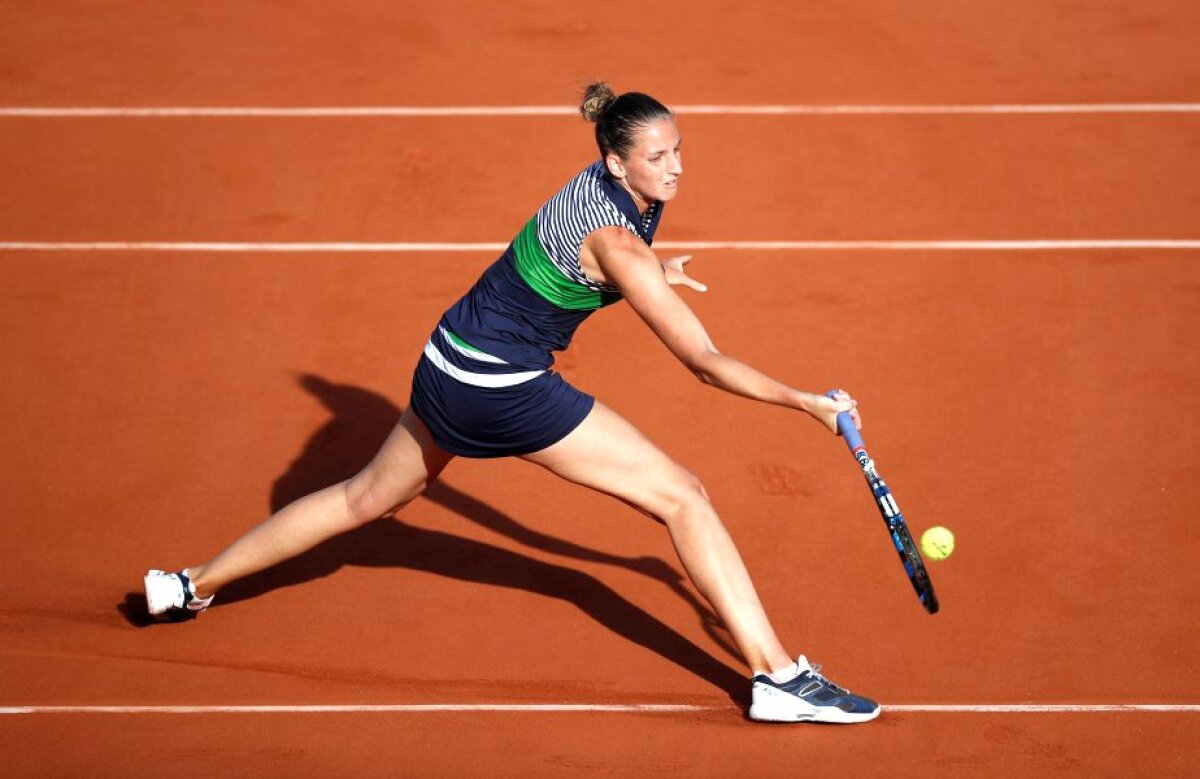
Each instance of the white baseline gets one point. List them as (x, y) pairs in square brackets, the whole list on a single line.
[(628, 708), (558, 110)]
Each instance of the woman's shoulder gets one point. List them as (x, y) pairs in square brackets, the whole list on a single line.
[(586, 195), (589, 183)]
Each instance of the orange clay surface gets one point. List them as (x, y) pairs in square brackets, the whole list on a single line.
[(1042, 405)]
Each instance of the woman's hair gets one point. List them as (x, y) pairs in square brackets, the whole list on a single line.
[(618, 118)]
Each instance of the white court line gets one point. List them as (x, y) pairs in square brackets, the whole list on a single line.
[(557, 110), (947, 245), (243, 246), (413, 708), (434, 247), (633, 708), (1051, 708)]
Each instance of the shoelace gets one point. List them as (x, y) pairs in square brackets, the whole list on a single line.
[(814, 672)]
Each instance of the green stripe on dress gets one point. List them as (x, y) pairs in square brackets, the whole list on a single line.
[(453, 336), (539, 272)]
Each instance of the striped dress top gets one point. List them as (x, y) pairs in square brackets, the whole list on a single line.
[(528, 303)]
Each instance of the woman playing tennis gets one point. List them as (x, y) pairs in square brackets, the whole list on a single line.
[(484, 388)]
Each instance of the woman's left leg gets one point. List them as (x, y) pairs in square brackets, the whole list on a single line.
[(407, 462)]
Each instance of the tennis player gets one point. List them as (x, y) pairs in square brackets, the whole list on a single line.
[(485, 387)]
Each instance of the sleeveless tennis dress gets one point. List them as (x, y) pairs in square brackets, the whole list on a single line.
[(484, 385)]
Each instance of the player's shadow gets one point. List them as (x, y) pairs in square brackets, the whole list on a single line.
[(361, 421)]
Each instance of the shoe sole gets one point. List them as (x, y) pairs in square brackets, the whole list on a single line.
[(786, 708), (833, 717)]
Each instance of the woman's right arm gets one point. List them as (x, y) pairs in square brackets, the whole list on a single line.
[(629, 264)]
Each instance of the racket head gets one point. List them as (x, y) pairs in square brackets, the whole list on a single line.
[(902, 540), (914, 565)]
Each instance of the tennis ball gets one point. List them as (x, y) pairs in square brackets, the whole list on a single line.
[(937, 543)]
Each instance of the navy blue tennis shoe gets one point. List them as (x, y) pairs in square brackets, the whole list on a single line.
[(807, 697)]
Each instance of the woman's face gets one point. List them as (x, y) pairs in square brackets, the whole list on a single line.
[(652, 169)]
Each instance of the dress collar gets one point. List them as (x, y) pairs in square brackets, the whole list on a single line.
[(646, 224)]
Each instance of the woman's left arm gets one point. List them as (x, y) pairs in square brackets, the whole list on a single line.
[(632, 267)]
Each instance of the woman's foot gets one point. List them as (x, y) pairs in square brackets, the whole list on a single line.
[(803, 695), (172, 597)]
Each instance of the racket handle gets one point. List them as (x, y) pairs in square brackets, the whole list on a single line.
[(847, 429)]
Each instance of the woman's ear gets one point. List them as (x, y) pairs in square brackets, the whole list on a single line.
[(613, 162)]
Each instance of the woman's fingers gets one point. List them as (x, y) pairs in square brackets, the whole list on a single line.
[(673, 268), (848, 404)]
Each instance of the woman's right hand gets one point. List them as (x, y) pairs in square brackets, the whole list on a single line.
[(826, 409)]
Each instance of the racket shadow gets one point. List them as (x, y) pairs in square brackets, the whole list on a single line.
[(361, 420)]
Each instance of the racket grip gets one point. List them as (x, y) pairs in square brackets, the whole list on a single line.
[(847, 429)]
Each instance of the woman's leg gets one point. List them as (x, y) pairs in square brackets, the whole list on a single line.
[(407, 462), (609, 454)]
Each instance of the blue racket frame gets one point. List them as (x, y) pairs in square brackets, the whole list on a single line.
[(910, 556)]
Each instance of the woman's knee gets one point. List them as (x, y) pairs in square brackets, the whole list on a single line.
[(407, 463), (684, 499), (369, 498)]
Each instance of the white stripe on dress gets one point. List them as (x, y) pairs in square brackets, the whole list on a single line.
[(476, 379)]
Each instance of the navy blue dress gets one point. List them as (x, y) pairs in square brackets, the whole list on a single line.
[(485, 386)]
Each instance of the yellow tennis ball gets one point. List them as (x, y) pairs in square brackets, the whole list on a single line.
[(937, 543)]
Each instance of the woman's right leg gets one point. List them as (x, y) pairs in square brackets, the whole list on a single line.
[(407, 462), (608, 454)]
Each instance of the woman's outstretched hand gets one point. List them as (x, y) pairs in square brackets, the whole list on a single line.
[(676, 276), (826, 409)]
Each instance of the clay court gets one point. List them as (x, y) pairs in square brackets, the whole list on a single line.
[(227, 228)]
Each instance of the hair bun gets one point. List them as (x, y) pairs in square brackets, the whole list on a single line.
[(596, 100)]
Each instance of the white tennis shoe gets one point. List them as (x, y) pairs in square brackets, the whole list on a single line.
[(172, 596)]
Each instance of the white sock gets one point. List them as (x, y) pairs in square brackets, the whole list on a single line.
[(792, 671)]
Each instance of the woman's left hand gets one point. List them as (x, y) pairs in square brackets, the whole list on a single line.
[(676, 276)]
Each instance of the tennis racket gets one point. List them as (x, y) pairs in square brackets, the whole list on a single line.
[(910, 558)]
